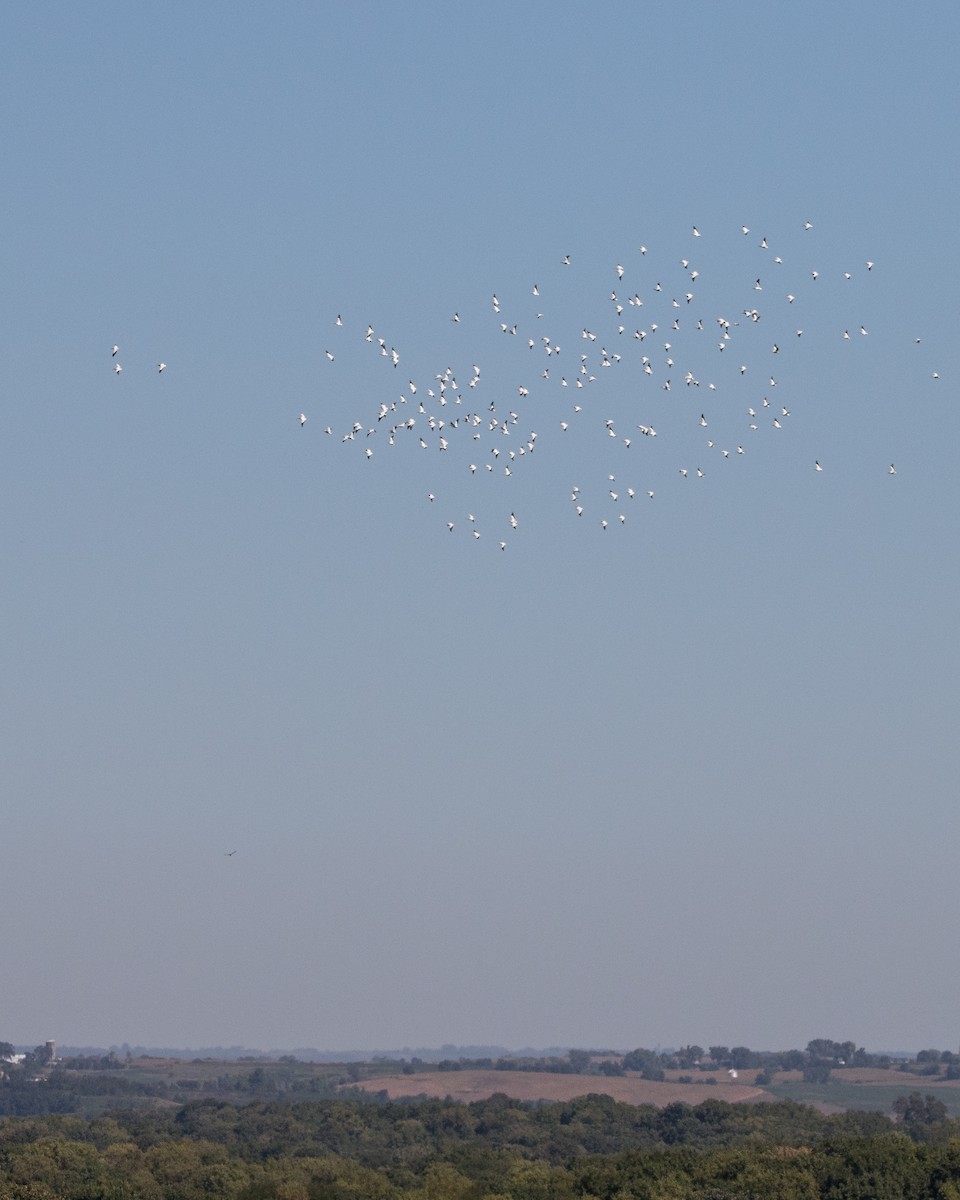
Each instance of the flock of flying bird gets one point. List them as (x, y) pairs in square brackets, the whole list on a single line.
[(118, 369), (692, 373)]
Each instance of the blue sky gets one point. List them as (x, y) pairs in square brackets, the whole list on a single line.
[(690, 777)]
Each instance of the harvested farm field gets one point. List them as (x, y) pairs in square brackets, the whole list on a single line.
[(479, 1084)]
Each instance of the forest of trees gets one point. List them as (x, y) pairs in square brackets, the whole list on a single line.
[(286, 1131), (592, 1148)]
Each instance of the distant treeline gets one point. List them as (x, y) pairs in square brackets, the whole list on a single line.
[(84, 1083), (302, 1053), (592, 1148), (816, 1062), (67, 1088)]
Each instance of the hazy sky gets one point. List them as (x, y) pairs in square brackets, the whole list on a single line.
[(692, 777)]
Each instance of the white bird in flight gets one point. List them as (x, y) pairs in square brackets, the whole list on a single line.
[(500, 423)]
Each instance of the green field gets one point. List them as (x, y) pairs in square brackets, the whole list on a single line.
[(868, 1097)]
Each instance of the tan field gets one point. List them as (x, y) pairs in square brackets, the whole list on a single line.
[(478, 1084)]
